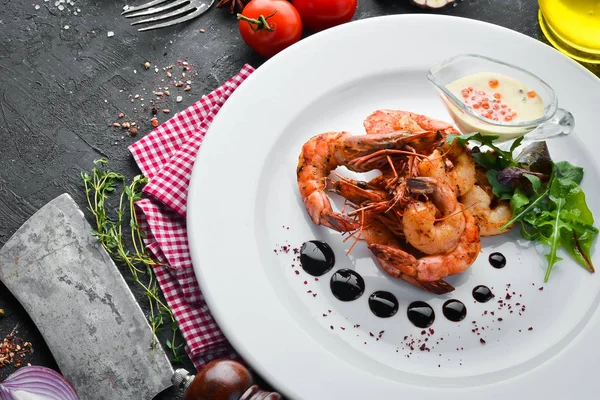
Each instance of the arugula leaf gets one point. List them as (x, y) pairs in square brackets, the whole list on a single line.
[(566, 170), (578, 245), (503, 159), (519, 200), (519, 215), (536, 183), (554, 239), (501, 191), (563, 221), (462, 140)]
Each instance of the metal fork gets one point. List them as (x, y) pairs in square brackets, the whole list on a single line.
[(184, 9)]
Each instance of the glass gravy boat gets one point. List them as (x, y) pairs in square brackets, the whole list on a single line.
[(554, 122)]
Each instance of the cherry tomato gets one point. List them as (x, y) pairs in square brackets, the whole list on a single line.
[(269, 26), (322, 14)]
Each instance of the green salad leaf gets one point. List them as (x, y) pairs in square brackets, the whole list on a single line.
[(551, 210)]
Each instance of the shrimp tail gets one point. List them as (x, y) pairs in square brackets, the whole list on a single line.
[(338, 222), (321, 213), (400, 264)]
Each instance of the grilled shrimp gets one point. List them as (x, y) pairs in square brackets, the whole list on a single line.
[(384, 121), (427, 272), (436, 226), (372, 199), (325, 152), (488, 217), (458, 169), (379, 237)]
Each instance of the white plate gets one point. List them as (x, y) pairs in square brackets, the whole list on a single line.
[(244, 197)]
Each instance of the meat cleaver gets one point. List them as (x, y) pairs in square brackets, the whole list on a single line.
[(89, 318)]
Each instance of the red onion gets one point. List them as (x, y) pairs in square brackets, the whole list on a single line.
[(36, 383)]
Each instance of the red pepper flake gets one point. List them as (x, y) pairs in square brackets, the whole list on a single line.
[(331, 326), (324, 315), (423, 332), (530, 328), (297, 272), (357, 325), (316, 279), (342, 328), (309, 291), (328, 311), (371, 334), (500, 319), (481, 341), (541, 288), (508, 296), (13, 350), (305, 282), (314, 295)]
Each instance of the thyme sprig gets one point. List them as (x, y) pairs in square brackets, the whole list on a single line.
[(100, 185)]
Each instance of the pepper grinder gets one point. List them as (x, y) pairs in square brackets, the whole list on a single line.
[(220, 380)]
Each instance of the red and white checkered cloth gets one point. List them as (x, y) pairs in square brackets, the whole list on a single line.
[(166, 156)]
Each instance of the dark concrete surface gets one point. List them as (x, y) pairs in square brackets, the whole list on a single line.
[(61, 88)]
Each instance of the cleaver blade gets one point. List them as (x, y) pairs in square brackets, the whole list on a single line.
[(82, 306)]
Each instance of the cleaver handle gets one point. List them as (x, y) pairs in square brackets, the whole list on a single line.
[(221, 380)]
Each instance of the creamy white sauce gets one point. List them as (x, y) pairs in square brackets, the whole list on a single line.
[(497, 98)]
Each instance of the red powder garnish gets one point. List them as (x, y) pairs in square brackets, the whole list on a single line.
[(531, 94), (494, 83)]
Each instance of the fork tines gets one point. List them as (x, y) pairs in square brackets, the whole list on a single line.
[(184, 9)]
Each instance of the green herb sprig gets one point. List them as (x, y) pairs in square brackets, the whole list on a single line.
[(554, 212), (99, 186)]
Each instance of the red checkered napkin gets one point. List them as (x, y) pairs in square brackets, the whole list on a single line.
[(166, 156)]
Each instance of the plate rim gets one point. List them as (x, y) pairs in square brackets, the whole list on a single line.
[(233, 337)]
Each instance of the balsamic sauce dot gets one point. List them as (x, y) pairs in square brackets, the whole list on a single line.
[(420, 314), (383, 304), (482, 294), (316, 257), (454, 310), (347, 285), (497, 260)]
